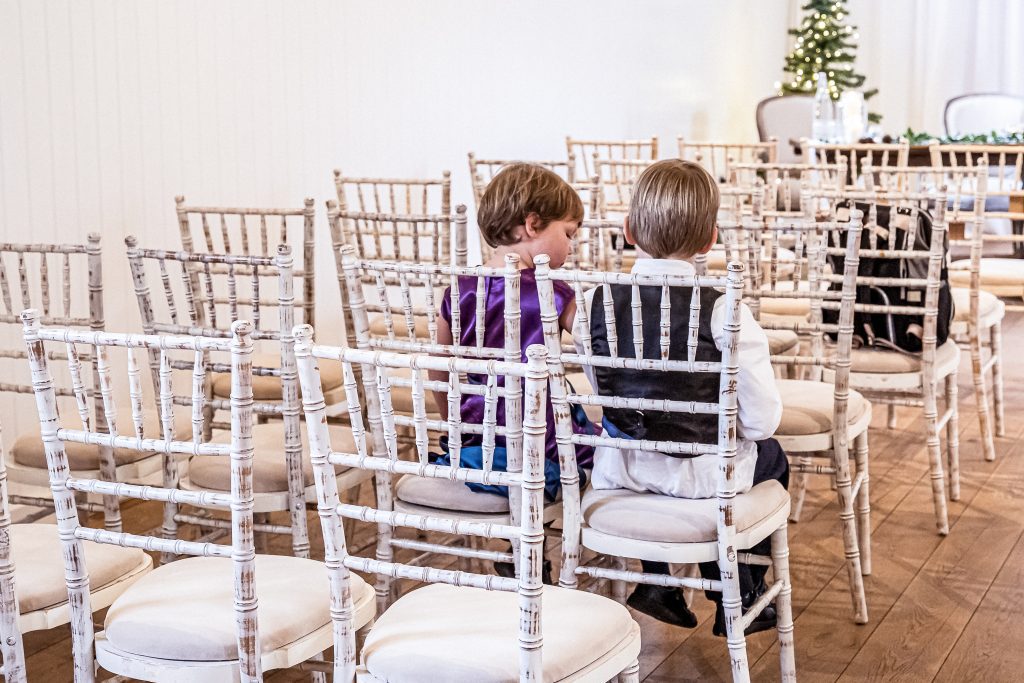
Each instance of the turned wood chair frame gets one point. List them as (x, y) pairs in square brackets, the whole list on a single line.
[(876, 154), (918, 388), (584, 151), (69, 316), (617, 177), (85, 642), (379, 454), (775, 183), (723, 549), (244, 246), (482, 171), (719, 157)]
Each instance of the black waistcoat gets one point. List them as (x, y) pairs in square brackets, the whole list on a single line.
[(654, 384)]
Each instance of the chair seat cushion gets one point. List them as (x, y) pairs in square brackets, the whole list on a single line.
[(444, 494), (267, 388), (1001, 276), (874, 361), (401, 327), (185, 610), (808, 407), (666, 519), (989, 305), (781, 341), (269, 470), (401, 397), (469, 635), (28, 448), (37, 554)]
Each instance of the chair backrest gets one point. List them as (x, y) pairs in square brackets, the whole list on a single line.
[(983, 113), (787, 118), (584, 151), (481, 171), (719, 157), (617, 177), (600, 245), (64, 486), (1005, 174), (12, 647), (632, 354), (781, 187), (401, 196), (378, 453), (252, 232), (876, 154)]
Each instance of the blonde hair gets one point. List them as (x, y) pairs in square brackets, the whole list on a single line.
[(518, 190), (673, 209)]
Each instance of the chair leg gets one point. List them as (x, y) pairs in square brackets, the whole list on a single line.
[(851, 547), (799, 492), (631, 674), (890, 421), (935, 456), (784, 604), (980, 394), (261, 541), (860, 445), (996, 346), (619, 587), (953, 436)]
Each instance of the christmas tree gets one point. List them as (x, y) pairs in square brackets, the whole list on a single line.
[(823, 43)]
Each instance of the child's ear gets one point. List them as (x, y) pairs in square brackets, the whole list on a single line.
[(532, 226), (712, 242), (627, 233)]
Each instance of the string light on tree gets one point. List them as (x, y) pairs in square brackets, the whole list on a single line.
[(823, 35)]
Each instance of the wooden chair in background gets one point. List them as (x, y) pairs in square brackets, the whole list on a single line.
[(584, 151), (877, 155), (718, 157), (460, 625)]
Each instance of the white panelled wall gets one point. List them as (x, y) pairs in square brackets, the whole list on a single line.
[(109, 108)]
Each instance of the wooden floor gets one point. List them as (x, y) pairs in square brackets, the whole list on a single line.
[(941, 608)]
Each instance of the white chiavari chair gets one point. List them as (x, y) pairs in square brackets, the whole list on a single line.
[(459, 627), (819, 419), (194, 620), (623, 523), (718, 158), (895, 377), (481, 171), (781, 185), (584, 151), (282, 477), (617, 177), (255, 232), (977, 314), (38, 284), (877, 154)]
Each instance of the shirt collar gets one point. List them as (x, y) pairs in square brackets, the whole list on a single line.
[(663, 266)]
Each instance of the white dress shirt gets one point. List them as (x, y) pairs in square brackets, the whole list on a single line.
[(759, 412)]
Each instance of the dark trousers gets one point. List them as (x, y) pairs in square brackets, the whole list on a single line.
[(771, 464)]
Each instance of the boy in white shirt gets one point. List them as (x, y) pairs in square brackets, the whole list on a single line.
[(672, 218)]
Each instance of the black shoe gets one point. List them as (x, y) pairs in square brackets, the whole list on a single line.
[(762, 622), (663, 603), (508, 570)]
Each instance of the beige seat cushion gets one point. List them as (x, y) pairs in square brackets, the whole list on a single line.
[(866, 360), (653, 517), (448, 495), (469, 635), (266, 388), (808, 407), (379, 329), (37, 554), (781, 341), (185, 610), (28, 448), (1001, 276), (989, 305), (269, 471), (401, 397)]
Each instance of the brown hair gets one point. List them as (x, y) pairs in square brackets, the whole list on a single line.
[(673, 209), (518, 190)]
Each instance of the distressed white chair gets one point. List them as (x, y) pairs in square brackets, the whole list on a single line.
[(282, 477), (982, 113), (194, 620), (255, 232), (1001, 275), (780, 185), (623, 523), (896, 378), (876, 154), (978, 315), (788, 119), (819, 419), (32, 592), (718, 157), (460, 627), (584, 151), (617, 177), (482, 171)]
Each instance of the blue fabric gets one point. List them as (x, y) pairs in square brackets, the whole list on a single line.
[(472, 457)]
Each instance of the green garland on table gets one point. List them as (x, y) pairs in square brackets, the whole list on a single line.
[(990, 138)]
